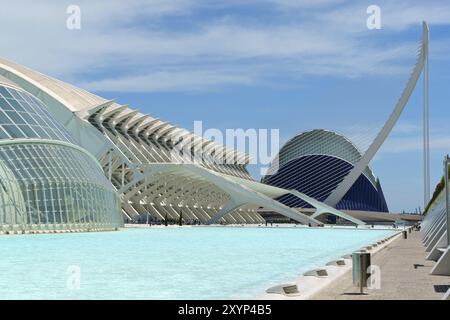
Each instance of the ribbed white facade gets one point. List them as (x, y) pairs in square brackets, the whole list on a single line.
[(159, 170)]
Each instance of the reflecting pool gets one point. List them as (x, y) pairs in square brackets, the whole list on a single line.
[(168, 263)]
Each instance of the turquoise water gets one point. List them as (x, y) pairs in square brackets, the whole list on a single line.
[(168, 263)]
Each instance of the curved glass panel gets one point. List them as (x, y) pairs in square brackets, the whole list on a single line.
[(24, 116), (45, 184), (60, 187)]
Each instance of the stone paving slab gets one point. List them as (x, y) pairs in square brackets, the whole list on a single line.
[(405, 275)]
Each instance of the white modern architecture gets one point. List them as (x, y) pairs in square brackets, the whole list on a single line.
[(165, 172), (435, 227), (315, 162), (158, 169), (47, 182)]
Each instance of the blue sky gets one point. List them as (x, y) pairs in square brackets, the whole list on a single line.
[(292, 65)]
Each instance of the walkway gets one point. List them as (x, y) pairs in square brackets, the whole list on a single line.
[(404, 276)]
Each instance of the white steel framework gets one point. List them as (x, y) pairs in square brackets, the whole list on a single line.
[(435, 228), (353, 175), (158, 169)]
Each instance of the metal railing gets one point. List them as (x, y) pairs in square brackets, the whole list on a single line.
[(447, 204)]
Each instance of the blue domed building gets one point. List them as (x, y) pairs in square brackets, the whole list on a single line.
[(314, 163)]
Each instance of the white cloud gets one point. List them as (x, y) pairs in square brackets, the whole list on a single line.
[(299, 4), (405, 137), (395, 15), (414, 144), (192, 80), (403, 14), (140, 41), (406, 128)]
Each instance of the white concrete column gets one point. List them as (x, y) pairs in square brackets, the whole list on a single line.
[(227, 208)]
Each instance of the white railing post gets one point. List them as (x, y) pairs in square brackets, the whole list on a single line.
[(447, 204)]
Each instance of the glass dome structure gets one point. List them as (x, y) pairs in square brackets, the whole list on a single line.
[(47, 182)]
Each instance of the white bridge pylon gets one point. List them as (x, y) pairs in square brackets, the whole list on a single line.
[(339, 192)]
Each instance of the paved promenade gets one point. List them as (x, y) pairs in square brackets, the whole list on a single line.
[(404, 276)]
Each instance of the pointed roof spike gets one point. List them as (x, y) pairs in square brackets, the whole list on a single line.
[(87, 112)]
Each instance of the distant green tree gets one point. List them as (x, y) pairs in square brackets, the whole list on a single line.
[(439, 187)]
